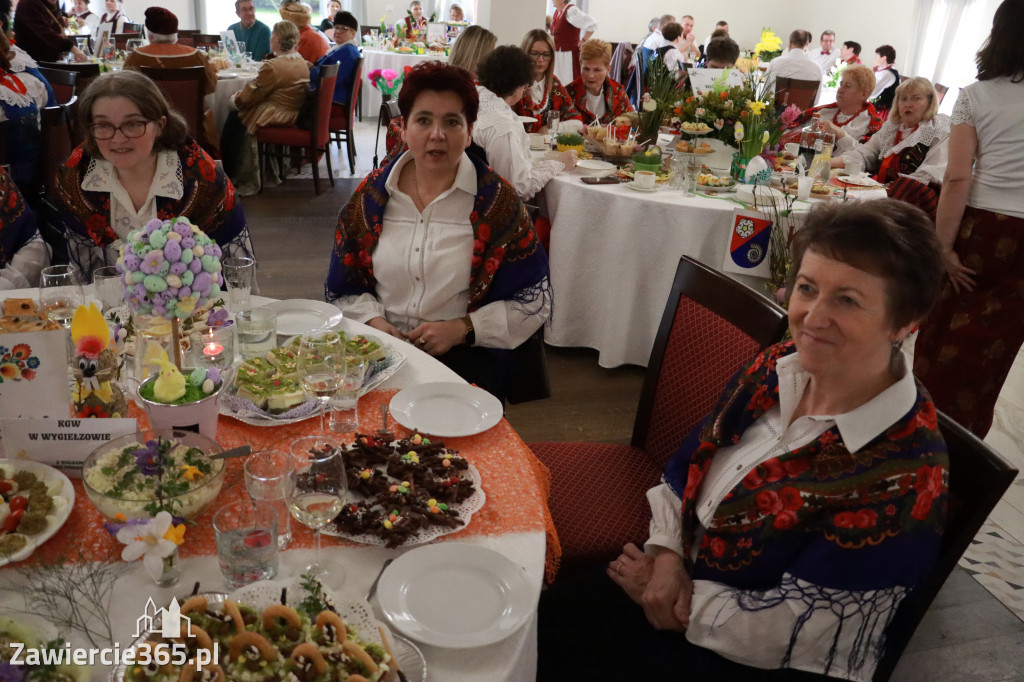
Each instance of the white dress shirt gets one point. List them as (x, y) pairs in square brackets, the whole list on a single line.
[(825, 61), (422, 264), (793, 64), (883, 79), (760, 638), (499, 131), (655, 40), (22, 271)]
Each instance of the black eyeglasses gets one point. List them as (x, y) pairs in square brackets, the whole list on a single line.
[(539, 55), (130, 129)]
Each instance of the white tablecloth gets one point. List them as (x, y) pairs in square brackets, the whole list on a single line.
[(380, 59), (514, 659), (219, 101)]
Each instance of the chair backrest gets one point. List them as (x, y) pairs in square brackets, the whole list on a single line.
[(86, 73), (941, 90), (365, 30), (207, 40), (711, 325), (121, 39), (353, 98), (324, 99), (55, 125), (795, 91), (978, 477), (187, 32), (184, 90), (62, 81), (130, 27)]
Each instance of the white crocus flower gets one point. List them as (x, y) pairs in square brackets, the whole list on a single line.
[(148, 541)]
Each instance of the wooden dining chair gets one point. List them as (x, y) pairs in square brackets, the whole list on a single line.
[(313, 141), (131, 27), (205, 40), (87, 72), (121, 39), (712, 324), (343, 126), (56, 144), (185, 90), (62, 81), (795, 91)]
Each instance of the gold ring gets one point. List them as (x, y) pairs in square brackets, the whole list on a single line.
[(618, 567), (421, 342)]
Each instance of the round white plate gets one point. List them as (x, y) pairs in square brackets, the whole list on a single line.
[(63, 501), (595, 166), (446, 409), (301, 316), (720, 189), (415, 594), (637, 188), (861, 181), (697, 133)]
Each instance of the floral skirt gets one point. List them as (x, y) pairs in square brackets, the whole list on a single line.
[(969, 342)]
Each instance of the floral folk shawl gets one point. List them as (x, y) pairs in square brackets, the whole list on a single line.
[(616, 101), (208, 199), (556, 99), (877, 513), (508, 261), (17, 224), (874, 123)]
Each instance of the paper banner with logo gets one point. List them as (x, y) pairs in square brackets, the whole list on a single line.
[(34, 374), (703, 80), (748, 244)]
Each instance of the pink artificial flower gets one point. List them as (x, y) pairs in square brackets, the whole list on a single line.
[(789, 115), (389, 74)]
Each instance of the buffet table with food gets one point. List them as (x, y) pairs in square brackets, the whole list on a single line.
[(437, 533)]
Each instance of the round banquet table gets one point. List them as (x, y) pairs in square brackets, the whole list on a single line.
[(512, 659), (383, 59), (219, 100)]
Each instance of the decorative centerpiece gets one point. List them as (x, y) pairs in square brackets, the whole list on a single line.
[(769, 47), (169, 268), (95, 367), (388, 81), (751, 140), (566, 141), (648, 160)]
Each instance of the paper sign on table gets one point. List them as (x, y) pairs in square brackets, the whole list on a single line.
[(34, 374), (62, 443), (749, 238)]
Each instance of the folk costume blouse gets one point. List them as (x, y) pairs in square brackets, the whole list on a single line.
[(859, 127), (804, 537), (98, 213), (23, 253), (919, 153), (614, 98), (537, 101), (472, 250)]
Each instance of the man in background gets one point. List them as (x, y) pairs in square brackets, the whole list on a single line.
[(826, 55), (720, 26), (795, 63), (255, 34), (656, 40)]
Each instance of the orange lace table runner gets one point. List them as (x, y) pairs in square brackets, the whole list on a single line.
[(515, 481)]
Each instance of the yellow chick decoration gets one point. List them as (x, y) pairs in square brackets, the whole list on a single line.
[(95, 367), (170, 385)]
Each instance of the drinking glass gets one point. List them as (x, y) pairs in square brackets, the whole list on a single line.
[(238, 276), (246, 537), (679, 172), (693, 166), (320, 364), (345, 401), (108, 287), (554, 119), (60, 293), (257, 331), (316, 490), (266, 476), (133, 43)]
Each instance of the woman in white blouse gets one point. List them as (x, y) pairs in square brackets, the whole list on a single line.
[(136, 164), (112, 20), (810, 502), (980, 222), (435, 247), (504, 75)]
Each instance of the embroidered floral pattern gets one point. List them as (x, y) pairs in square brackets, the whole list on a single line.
[(555, 99), (616, 101)]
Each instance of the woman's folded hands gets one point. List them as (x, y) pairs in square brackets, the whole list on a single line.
[(658, 583)]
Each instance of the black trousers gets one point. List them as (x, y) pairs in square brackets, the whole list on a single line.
[(590, 631), (488, 368)]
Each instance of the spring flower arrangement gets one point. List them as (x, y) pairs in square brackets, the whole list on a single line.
[(656, 103), (154, 540), (388, 81), (769, 47)]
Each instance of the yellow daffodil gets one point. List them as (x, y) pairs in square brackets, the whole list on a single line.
[(176, 534), (191, 472), (756, 106)]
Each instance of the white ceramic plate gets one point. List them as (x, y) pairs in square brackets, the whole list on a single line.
[(596, 167), (415, 594), (301, 316), (720, 189), (861, 181), (637, 188), (446, 409), (63, 501)]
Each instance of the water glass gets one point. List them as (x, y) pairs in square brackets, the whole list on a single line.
[(238, 277), (693, 168), (246, 536), (266, 474), (854, 166), (344, 403), (320, 364), (554, 120), (60, 293), (108, 287), (257, 331), (678, 167)]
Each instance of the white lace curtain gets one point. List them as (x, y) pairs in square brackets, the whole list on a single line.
[(947, 36)]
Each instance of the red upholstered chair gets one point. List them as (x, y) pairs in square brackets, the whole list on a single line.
[(62, 81), (315, 140), (342, 125), (711, 325), (185, 89)]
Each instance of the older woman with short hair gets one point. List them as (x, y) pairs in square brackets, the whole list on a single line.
[(504, 75), (435, 247), (909, 152), (851, 111), (546, 94), (794, 520), (596, 96)]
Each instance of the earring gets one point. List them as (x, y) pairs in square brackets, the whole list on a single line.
[(896, 358)]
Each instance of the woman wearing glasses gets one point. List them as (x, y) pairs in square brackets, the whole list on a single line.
[(138, 163), (546, 95)]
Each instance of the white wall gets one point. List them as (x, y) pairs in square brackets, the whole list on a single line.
[(511, 20), (868, 22)]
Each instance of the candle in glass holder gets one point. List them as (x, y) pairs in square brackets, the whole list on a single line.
[(215, 347)]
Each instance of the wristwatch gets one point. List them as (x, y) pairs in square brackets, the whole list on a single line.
[(470, 336)]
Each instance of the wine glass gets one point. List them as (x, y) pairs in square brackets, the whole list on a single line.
[(133, 43), (316, 490), (320, 363), (60, 293)]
